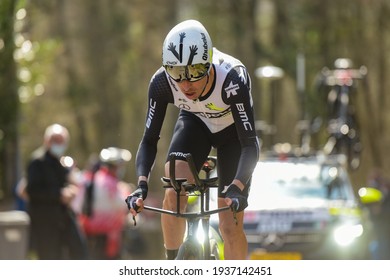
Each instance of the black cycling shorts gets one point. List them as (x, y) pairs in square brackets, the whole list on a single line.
[(191, 135)]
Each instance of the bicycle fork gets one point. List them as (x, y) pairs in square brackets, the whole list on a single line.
[(191, 249)]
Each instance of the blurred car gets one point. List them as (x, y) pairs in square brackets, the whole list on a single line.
[(305, 208)]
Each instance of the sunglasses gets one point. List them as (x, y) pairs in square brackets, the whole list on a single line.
[(191, 73)]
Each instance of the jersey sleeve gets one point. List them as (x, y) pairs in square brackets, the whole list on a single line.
[(159, 96), (237, 93)]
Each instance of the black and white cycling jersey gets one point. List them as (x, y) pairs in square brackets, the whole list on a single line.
[(228, 103), (214, 108)]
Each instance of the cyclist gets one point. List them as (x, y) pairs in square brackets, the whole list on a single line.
[(106, 222), (213, 92), (340, 85), (328, 82)]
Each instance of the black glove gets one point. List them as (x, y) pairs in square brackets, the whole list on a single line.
[(140, 192), (239, 200)]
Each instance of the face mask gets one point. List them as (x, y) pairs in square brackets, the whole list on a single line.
[(57, 150)]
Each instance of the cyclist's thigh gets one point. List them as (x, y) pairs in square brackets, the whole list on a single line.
[(228, 154), (190, 136)]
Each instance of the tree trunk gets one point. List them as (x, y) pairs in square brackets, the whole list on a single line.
[(9, 105)]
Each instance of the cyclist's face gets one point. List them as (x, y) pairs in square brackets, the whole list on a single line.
[(193, 90)]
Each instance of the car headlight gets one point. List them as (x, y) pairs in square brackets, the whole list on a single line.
[(345, 235)]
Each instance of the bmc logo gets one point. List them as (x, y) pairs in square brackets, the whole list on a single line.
[(243, 116), (152, 109)]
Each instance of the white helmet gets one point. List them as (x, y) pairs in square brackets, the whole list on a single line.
[(114, 156), (188, 43), (343, 63)]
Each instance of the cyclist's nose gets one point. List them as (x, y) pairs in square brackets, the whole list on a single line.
[(186, 85)]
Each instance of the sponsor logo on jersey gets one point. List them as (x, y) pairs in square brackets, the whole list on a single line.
[(213, 107), (243, 116), (152, 110), (210, 115), (243, 75), (184, 106), (232, 89), (228, 66), (179, 154)]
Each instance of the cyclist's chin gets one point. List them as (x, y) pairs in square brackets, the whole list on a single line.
[(191, 95)]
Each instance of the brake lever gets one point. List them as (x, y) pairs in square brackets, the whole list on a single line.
[(234, 207), (235, 217)]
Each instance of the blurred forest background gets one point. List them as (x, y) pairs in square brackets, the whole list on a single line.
[(87, 65)]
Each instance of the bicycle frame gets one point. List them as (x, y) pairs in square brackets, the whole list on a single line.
[(191, 248)]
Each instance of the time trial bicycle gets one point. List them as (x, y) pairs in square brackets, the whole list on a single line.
[(201, 241)]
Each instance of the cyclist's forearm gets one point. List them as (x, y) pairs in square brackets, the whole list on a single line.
[(248, 160), (239, 184), (146, 156), (142, 178)]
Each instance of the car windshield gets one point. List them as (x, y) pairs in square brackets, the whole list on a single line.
[(300, 180)]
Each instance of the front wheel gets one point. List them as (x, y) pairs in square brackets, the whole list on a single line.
[(189, 251), (214, 251), (216, 245)]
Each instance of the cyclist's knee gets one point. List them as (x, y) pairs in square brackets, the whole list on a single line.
[(230, 233), (229, 228), (182, 170), (170, 200), (170, 196)]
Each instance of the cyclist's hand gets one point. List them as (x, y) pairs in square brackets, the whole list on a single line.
[(135, 204), (135, 201), (235, 198)]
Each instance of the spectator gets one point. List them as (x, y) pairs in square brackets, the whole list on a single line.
[(50, 189), (105, 218)]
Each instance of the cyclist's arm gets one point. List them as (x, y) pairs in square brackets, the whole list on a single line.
[(242, 111), (159, 95)]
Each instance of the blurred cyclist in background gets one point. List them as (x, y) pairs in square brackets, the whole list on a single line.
[(105, 219)]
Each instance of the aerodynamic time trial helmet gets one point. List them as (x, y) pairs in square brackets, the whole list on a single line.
[(187, 51)]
